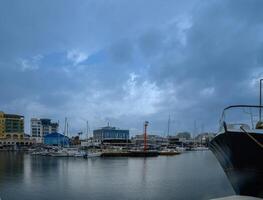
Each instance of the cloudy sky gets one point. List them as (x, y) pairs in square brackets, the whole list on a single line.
[(125, 62)]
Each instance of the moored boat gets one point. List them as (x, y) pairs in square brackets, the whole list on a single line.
[(168, 152), (93, 155), (239, 149)]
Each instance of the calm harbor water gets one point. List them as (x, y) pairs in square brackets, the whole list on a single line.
[(192, 175)]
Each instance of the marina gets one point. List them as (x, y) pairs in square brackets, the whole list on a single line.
[(131, 100), (191, 175)]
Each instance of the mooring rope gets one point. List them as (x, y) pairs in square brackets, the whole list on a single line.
[(254, 139)]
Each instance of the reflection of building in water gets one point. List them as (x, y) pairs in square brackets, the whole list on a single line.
[(11, 164), (42, 127)]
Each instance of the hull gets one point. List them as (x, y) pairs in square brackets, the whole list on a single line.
[(168, 153), (242, 160)]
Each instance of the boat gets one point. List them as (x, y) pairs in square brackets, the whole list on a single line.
[(237, 197), (239, 149), (92, 155), (180, 149), (73, 152), (200, 148), (81, 154), (59, 153), (168, 152)]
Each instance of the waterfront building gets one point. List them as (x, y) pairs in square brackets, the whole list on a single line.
[(11, 126), (111, 135), (56, 139), (152, 140), (42, 127), (12, 131), (89, 143)]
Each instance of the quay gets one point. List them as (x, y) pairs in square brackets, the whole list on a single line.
[(238, 197), (131, 154), (136, 153)]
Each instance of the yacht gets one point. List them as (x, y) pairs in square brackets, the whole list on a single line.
[(239, 149)]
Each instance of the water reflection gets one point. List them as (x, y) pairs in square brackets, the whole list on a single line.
[(192, 175)]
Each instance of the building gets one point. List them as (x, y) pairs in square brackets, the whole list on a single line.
[(175, 141), (152, 140), (11, 126), (89, 143), (12, 132), (42, 127), (111, 135), (56, 139)]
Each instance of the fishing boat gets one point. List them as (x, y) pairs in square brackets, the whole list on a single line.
[(239, 149)]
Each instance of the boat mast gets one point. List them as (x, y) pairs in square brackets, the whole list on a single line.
[(195, 132), (260, 98), (168, 128), (65, 126), (87, 131), (65, 129)]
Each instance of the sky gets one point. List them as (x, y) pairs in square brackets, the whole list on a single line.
[(124, 62)]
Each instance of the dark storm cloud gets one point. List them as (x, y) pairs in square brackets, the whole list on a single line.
[(129, 61)]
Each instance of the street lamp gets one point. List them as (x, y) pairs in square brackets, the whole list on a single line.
[(145, 135)]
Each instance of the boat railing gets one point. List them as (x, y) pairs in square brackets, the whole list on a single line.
[(252, 123)]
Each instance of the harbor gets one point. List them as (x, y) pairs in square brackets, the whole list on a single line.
[(45, 140), (131, 100), (45, 177)]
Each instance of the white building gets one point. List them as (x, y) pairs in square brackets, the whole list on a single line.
[(41, 127)]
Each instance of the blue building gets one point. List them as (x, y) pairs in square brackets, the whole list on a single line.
[(56, 139), (111, 134)]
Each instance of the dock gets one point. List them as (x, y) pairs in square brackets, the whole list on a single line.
[(131, 154), (238, 197)]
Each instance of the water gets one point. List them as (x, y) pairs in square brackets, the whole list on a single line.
[(192, 175)]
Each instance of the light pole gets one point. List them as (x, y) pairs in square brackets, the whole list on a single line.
[(260, 98), (145, 135)]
